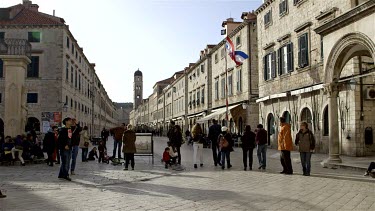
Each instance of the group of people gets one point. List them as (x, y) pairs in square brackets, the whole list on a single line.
[(26, 147), (222, 145)]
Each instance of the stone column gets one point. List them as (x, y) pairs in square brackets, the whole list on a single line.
[(332, 91), (15, 68)]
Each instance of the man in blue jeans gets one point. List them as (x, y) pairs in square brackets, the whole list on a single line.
[(76, 128), (117, 139), (261, 140), (65, 147)]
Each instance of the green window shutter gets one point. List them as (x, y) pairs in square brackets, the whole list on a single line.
[(280, 60), (265, 75)]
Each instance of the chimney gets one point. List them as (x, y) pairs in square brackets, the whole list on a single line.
[(29, 5), (53, 13), (229, 26)]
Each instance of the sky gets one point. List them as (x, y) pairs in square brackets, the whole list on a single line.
[(159, 37)]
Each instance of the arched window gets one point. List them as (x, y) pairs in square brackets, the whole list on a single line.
[(286, 115), (325, 122), (306, 117)]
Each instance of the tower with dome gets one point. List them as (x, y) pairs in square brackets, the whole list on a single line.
[(138, 89)]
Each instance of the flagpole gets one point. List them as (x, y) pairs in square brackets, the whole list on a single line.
[(226, 89)]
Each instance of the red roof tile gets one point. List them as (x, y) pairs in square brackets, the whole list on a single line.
[(30, 17)]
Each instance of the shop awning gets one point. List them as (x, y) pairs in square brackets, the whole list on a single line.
[(216, 113)]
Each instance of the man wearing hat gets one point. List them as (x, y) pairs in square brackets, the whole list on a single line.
[(65, 147)]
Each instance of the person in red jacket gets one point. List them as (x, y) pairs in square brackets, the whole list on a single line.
[(166, 157)]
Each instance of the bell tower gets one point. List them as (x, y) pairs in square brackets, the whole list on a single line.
[(138, 89)]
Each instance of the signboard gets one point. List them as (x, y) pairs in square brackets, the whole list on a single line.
[(50, 119), (144, 145)]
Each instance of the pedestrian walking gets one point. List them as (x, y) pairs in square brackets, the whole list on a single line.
[(285, 145), (370, 170), (226, 146), (306, 141), (49, 144), (84, 143), (117, 139), (248, 145), (177, 142), (129, 149), (65, 147), (2, 195), (76, 128), (261, 141), (197, 135), (213, 134)]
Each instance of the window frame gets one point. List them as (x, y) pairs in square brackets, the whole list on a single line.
[(32, 39), (230, 85), (216, 88), (28, 98), (239, 80), (31, 72), (268, 18), (222, 82), (283, 5), (303, 50)]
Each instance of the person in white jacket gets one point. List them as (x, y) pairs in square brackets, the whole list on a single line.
[(84, 143)]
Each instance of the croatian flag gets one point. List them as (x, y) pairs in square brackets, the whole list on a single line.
[(237, 56)]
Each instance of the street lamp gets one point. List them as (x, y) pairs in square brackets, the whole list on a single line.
[(244, 106)]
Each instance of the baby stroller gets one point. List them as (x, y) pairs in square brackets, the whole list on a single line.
[(106, 158)]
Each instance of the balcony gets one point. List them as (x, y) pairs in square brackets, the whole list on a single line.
[(16, 47)]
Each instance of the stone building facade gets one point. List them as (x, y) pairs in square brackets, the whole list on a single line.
[(293, 74), (60, 81), (188, 96), (123, 112)]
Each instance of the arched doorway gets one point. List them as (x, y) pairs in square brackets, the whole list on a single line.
[(287, 117), (270, 127), (325, 122), (240, 126), (1, 126), (32, 124), (306, 117), (355, 46)]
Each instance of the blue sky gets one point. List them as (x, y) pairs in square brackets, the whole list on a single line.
[(159, 37)]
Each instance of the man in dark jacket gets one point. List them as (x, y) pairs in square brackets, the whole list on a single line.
[(65, 147), (117, 132), (104, 136), (49, 144), (76, 128), (171, 132), (261, 140), (213, 134)]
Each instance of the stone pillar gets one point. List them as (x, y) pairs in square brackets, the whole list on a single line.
[(332, 91), (15, 68)]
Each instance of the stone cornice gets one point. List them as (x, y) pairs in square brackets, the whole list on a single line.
[(269, 45), (303, 26), (326, 13), (263, 6), (347, 18), (283, 37)]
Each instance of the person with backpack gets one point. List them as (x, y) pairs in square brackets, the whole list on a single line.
[(248, 145), (261, 140), (225, 146), (306, 141), (213, 134), (197, 135)]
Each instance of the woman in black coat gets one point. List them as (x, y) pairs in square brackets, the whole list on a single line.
[(177, 142), (49, 144), (248, 145)]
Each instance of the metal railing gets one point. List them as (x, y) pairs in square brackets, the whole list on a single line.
[(19, 47)]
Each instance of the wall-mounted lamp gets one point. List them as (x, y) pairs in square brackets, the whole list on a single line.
[(244, 106)]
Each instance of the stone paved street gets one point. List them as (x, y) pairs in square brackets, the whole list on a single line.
[(107, 187)]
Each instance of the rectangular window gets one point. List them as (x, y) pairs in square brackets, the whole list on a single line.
[(33, 68), (79, 82), (67, 42), (216, 89), (285, 59), (1, 97), (230, 86), (238, 40), (303, 53), (222, 52), (202, 68), (239, 80), (198, 97), (269, 66), (222, 87), (202, 101), (267, 18), (71, 103), (67, 71), (32, 97), (283, 7), (66, 100), (321, 48), (296, 1), (2, 35), (34, 36), (1, 68), (216, 58), (73, 49), (71, 74)]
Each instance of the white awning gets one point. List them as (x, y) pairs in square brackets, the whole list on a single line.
[(196, 115), (280, 95), (305, 90), (216, 113)]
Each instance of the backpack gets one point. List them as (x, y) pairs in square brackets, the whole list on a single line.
[(223, 142)]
